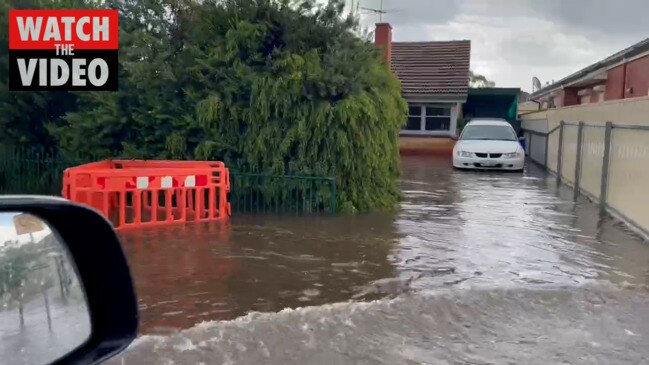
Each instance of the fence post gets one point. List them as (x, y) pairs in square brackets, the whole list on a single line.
[(580, 132), (545, 157), (605, 162), (560, 152), (334, 198)]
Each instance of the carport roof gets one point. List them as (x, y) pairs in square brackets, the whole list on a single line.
[(432, 68), (504, 91)]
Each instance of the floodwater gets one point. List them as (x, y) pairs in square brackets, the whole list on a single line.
[(474, 267)]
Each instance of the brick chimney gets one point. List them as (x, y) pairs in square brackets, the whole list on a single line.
[(383, 40)]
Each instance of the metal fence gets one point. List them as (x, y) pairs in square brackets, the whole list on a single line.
[(31, 171), (536, 145), (607, 162), (40, 171), (281, 194)]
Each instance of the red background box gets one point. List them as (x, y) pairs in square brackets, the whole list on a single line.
[(16, 43)]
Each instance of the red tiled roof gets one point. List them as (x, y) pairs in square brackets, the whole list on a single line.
[(432, 67)]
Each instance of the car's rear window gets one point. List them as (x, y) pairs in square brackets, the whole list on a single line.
[(489, 132)]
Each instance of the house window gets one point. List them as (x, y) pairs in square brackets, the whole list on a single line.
[(414, 118), (428, 118), (438, 118)]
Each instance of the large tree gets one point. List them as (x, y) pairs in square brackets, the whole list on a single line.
[(477, 80), (279, 86), (24, 115)]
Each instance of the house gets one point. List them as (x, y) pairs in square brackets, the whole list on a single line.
[(623, 75), (434, 81)]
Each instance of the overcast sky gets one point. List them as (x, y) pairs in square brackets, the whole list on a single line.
[(513, 40)]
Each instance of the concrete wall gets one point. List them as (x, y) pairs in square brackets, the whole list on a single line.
[(628, 179), (536, 121), (528, 107), (624, 111)]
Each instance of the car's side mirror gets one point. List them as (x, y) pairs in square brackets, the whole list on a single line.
[(454, 137), (66, 295)]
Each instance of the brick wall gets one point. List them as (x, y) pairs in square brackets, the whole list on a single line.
[(637, 78), (615, 83)]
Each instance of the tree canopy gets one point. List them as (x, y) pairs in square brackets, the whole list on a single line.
[(477, 80), (275, 86)]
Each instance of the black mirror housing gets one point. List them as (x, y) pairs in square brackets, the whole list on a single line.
[(102, 269)]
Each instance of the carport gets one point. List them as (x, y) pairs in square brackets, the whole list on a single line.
[(492, 102)]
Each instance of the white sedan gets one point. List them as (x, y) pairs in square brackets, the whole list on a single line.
[(488, 144)]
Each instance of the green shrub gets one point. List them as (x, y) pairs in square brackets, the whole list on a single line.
[(280, 87)]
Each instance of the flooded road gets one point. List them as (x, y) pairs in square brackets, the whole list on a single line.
[(472, 268)]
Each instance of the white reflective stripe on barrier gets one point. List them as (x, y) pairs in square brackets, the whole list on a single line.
[(166, 182), (142, 182), (190, 181)]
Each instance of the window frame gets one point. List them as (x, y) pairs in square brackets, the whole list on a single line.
[(422, 118), (420, 115)]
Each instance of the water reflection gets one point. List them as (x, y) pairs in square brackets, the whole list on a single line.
[(454, 229), (512, 272), (188, 274), (43, 312), (510, 230), (522, 326)]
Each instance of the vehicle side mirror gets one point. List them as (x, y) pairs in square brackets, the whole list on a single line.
[(66, 294), (454, 137)]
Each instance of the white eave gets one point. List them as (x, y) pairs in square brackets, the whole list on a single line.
[(595, 77)]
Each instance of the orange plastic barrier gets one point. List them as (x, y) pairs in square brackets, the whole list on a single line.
[(138, 193)]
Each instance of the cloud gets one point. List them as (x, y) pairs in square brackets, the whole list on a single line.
[(513, 40), (610, 18), (7, 233), (410, 13), (512, 58)]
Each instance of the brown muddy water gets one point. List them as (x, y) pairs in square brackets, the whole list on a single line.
[(474, 267)]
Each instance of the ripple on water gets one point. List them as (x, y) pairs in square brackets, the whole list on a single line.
[(511, 240), (581, 326)]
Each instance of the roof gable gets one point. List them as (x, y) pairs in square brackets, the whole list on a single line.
[(432, 67)]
